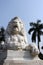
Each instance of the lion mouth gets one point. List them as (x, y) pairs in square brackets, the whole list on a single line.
[(15, 26)]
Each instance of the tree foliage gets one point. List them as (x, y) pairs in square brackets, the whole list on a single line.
[(2, 35)]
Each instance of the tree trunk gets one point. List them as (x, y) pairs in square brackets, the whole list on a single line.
[(38, 45), (38, 40)]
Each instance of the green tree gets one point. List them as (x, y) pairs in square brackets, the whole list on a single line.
[(2, 36), (2, 30), (36, 29)]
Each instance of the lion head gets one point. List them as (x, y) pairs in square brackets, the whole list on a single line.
[(15, 26)]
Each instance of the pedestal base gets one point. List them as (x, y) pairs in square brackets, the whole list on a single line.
[(12, 57), (23, 62)]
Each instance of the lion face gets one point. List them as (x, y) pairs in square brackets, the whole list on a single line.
[(15, 26)]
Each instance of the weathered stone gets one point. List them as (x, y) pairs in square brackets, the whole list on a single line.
[(15, 37), (11, 57), (29, 62)]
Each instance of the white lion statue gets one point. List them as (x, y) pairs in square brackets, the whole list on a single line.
[(15, 37)]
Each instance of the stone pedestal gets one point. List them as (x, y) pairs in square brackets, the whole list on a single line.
[(23, 62), (11, 57)]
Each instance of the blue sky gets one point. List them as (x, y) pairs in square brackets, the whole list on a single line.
[(27, 10)]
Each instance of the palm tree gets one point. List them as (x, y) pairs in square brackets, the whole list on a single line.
[(36, 30)]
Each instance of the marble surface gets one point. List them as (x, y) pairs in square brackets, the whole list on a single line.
[(11, 57), (31, 62)]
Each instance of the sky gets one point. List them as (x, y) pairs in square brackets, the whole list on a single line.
[(27, 10)]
